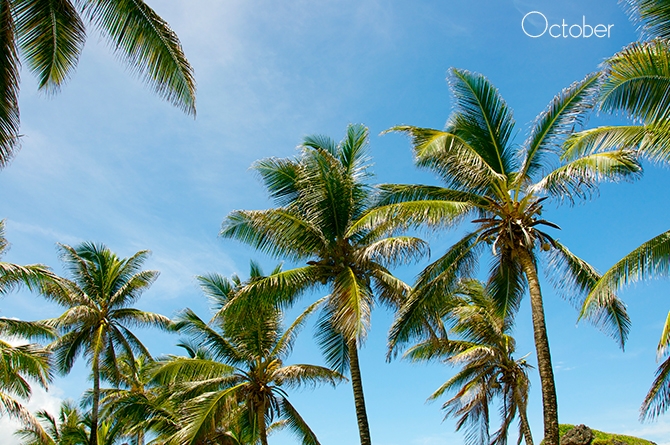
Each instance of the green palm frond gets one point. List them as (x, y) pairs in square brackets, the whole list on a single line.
[(581, 176), (284, 344), (507, 284), (150, 47), (332, 342), (433, 291), (390, 218), (652, 16), (51, 37), (9, 86), (636, 79), (482, 117), (566, 110), (390, 291), (458, 163), (26, 329), (578, 279), (276, 231), (665, 338), (351, 302), (297, 424), (281, 178), (657, 400)]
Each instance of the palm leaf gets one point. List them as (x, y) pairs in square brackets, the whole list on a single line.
[(581, 176), (576, 277), (149, 46), (51, 37), (636, 81), (566, 110), (297, 424), (9, 86)]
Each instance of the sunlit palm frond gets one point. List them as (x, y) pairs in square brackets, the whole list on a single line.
[(566, 110), (395, 250), (149, 46), (276, 231), (578, 280), (636, 81), (580, 177), (351, 302), (294, 376)]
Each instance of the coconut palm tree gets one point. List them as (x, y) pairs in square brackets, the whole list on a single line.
[(68, 429), (637, 83), (49, 36), (320, 197), (502, 189), (72, 427), (236, 380), (98, 316), (480, 343)]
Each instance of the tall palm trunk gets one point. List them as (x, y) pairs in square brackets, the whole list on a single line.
[(93, 439), (262, 428), (359, 399), (549, 402)]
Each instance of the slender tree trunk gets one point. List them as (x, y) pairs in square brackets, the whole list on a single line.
[(262, 428), (525, 427), (93, 439), (549, 402), (359, 399)]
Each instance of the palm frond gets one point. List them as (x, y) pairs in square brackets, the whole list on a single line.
[(395, 250), (580, 177), (9, 86), (636, 81), (51, 37), (285, 342), (652, 16), (278, 232), (657, 400), (578, 279), (281, 178), (459, 164), (566, 110), (293, 376), (297, 424), (151, 49), (332, 342)]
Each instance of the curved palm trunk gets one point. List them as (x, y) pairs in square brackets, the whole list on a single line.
[(525, 427), (549, 402), (359, 399), (93, 439)]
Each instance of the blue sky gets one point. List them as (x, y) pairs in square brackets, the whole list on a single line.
[(105, 160)]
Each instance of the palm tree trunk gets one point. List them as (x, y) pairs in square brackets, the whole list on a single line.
[(525, 427), (262, 428), (549, 401), (359, 399), (93, 439)]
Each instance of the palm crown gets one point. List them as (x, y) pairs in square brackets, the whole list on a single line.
[(321, 197), (503, 189), (234, 383)]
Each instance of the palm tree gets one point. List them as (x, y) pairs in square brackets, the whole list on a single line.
[(72, 427), (237, 377), (18, 365), (12, 275), (503, 188), (321, 196), (68, 429), (483, 348), (24, 363), (637, 83), (98, 315), (50, 35)]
